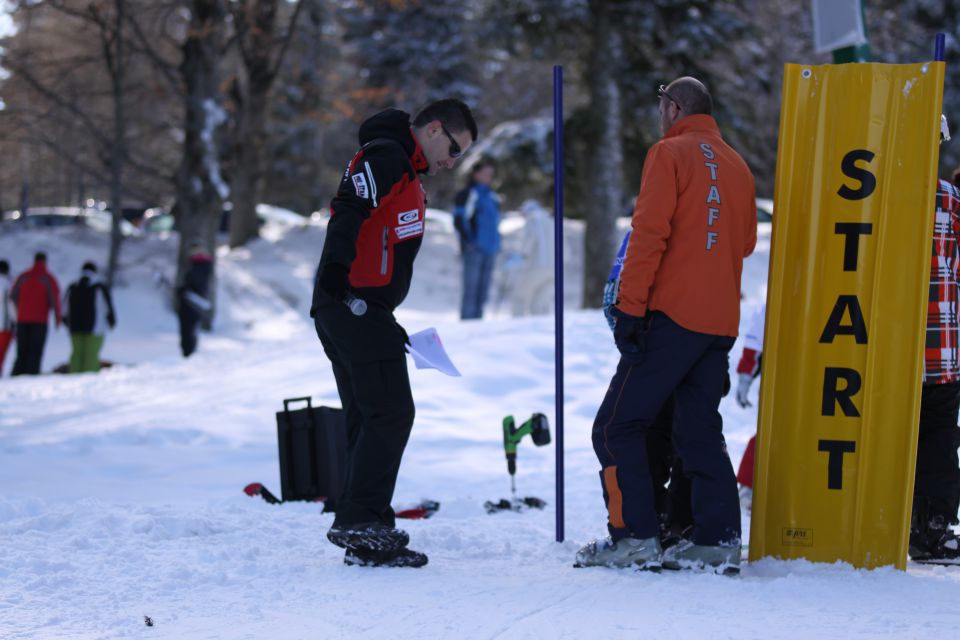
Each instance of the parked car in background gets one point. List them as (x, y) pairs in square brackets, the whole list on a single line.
[(158, 220), (95, 219), (161, 220)]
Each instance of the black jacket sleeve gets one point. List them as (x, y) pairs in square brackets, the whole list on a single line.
[(111, 314)]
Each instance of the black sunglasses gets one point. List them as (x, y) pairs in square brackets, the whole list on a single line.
[(455, 150), (662, 92)]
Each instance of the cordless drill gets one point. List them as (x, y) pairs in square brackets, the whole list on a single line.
[(539, 431)]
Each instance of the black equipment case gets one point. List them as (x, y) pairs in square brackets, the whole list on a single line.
[(312, 443)]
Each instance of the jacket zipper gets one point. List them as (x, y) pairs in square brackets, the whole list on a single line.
[(383, 259)]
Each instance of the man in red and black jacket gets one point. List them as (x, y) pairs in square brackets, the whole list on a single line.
[(375, 230), (36, 293)]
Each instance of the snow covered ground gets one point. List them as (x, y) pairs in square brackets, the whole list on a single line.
[(122, 490)]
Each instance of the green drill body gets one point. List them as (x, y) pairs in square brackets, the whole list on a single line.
[(539, 431)]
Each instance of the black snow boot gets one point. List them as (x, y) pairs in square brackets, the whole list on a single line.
[(931, 539), (368, 536), (400, 558)]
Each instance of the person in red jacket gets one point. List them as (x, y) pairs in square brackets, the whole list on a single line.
[(36, 293)]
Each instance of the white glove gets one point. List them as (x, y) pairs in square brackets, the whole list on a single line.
[(743, 388)]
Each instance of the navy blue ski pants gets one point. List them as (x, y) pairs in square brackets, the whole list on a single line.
[(670, 360)]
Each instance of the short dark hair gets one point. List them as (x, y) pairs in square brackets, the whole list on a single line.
[(481, 164), (89, 266), (4, 267), (691, 95), (452, 113), (40, 256)]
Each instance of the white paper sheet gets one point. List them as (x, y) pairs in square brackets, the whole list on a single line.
[(197, 301), (428, 352)]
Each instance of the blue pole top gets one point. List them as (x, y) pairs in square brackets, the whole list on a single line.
[(939, 47)]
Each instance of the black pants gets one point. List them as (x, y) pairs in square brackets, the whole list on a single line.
[(370, 368), (189, 324), (31, 338), (671, 501), (937, 485), (691, 366)]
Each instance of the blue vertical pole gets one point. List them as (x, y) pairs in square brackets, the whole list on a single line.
[(938, 48), (558, 278)]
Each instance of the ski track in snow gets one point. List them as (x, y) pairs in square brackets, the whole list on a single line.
[(122, 490)]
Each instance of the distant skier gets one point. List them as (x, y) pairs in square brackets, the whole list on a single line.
[(89, 311), (476, 214), (36, 293), (8, 312), (193, 297)]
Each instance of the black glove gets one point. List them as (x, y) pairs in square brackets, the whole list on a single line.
[(111, 319), (403, 332), (334, 280), (628, 331), (726, 384)]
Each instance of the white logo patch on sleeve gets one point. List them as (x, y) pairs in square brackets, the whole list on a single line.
[(410, 230), (408, 216), (360, 185)]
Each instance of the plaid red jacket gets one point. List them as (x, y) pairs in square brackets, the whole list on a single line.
[(943, 328)]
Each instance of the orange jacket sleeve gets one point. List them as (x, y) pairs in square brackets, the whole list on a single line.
[(652, 214), (751, 231)]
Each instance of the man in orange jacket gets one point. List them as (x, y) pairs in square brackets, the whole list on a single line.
[(677, 316)]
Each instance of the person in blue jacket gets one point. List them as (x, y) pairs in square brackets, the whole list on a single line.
[(476, 215)]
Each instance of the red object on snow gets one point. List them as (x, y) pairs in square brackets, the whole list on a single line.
[(413, 514), (745, 473), (423, 510), (257, 489)]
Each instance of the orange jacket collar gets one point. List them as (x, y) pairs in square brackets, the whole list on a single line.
[(697, 122)]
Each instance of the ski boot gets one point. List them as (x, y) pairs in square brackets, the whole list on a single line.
[(368, 536), (619, 554), (721, 559), (402, 557)]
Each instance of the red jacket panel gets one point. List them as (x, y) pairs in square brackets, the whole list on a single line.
[(36, 293)]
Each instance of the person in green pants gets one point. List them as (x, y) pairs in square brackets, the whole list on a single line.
[(89, 313)]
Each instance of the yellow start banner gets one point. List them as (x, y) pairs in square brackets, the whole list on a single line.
[(846, 312)]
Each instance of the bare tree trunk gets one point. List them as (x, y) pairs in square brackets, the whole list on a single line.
[(247, 179), (255, 25), (606, 150), (118, 152), (200, 188)]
